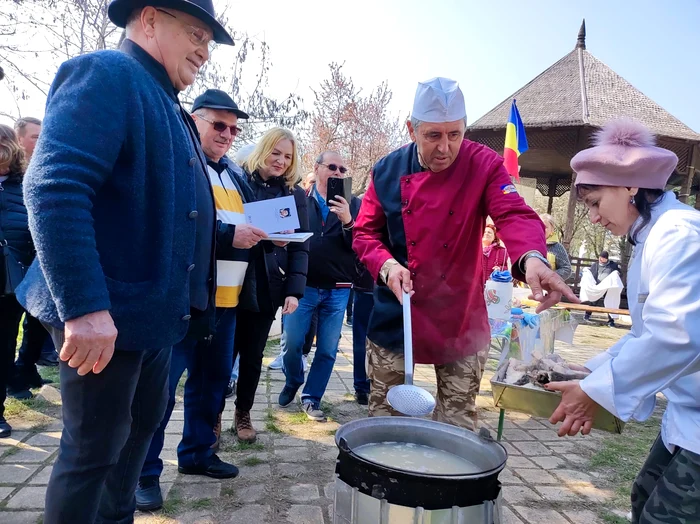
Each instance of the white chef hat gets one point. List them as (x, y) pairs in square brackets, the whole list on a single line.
[(439, 100)]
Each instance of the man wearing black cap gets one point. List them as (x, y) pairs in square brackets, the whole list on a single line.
[(208, 361), (123, 220)]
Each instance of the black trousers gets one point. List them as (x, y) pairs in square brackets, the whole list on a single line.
[(311, 335), (108, 422), (252, 330), (10, 316), (33, 341)]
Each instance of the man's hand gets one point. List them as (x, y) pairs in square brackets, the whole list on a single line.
[(290, 305), (576, 409), (399, 280), (539, 277), (341, 208), (89, 343), (246, 236)]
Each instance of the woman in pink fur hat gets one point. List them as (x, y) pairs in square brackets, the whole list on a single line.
[(622, 181)]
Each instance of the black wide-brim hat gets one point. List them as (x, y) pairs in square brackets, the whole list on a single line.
[(120, 10)]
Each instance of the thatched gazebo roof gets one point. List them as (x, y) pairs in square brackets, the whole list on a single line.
[(565, 104)]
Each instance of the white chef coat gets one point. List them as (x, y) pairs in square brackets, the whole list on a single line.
[(662, 351)]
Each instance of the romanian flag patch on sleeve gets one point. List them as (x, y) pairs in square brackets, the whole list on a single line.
[(508, 189)]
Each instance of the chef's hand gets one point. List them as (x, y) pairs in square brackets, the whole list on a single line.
[(576, 409), (399, 280), (89, 342), (341, 208), (290, 305), (246, 236), (539, 277), (280, 243)]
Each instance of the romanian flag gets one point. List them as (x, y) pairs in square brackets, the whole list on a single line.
[(516, 142)]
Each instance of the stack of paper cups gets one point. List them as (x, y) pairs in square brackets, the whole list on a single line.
[(499, 299)]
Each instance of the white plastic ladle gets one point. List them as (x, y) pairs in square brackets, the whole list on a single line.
[(407, 398)]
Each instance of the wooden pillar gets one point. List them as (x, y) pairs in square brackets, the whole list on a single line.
[(550, 193), (570, 215)]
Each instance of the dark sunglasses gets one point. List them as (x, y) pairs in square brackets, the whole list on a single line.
[(334, 167), (220, 127)]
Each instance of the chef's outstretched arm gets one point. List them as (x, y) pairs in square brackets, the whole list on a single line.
[(522, 232)]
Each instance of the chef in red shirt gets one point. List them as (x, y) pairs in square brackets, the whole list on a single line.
[(419, 230)]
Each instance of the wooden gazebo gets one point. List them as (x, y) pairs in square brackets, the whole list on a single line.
[(564, 105)]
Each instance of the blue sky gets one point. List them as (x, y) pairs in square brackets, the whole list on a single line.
[(491, 47)]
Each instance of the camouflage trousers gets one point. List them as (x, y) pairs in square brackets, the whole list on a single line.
[(457, 385), (667, 489)]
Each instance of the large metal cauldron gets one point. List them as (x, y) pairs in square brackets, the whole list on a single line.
[(369, 493)]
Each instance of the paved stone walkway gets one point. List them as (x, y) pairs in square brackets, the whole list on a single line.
[(287, 477)]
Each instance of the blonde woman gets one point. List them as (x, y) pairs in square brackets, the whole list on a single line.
[(276, 274), (556, 253)]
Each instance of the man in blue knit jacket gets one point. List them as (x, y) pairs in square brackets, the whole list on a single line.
[(123, 219)]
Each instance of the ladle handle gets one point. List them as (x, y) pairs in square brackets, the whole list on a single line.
[(407, 339)]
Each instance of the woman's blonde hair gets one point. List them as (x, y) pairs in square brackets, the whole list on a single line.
[(549, 219), (256, 160), (11, 153)]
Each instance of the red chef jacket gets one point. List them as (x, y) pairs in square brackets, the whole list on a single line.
[(433, 223)]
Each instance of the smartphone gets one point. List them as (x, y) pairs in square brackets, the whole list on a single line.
[(339, 187)]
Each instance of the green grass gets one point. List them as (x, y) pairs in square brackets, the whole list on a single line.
[(17, 408), (272, 347), (610, 518), (201, 504), (271, 423), (298, 418), (10, 451), (173, 504), (244, 446), (253, 461), (52, 374), (621, 457)]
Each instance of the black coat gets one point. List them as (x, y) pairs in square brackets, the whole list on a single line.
[(274, 272), (331, 257), (14, 226)]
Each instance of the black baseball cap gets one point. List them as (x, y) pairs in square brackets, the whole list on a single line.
[(217, 99), (604, 254)]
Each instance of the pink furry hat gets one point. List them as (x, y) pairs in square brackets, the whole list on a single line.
[(625, 155)]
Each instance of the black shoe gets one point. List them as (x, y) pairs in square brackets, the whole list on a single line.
[(214, 468), (30, 378), (362, 398), (231, 388), (48, 359), (148, 494), (611, 323), (587, 317), (5, 429), (287, 396), (19, 394), (348, 321)]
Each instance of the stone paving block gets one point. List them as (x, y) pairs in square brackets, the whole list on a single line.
[(547, 462), (509, 517), (175, 426), (540, 515), (28, 498), (32, 456), (259, 472), (531, 449), (290, 442), (510, 449), (516, 494), (199, 490), (4, 492), (536, 476), (303, 492), (533, 423), (572, 475), (20, 517), (250, 513), (165, 488), (563, 448), (520, 462), (16, 473), (252, 493), (42, 478), (331, 455), (546, 435), (582, 517), (50, 438), (196, 517), (171, 440), (55, 425), (178, 414), (592, 493), (557, 494), (299, 514), (516, 435), (15, 439), (292, 454), (169, 473), (576, 459), (507, 477), (291, 470)]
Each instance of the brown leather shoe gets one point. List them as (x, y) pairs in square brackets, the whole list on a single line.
[(244, 427), (217, 433)]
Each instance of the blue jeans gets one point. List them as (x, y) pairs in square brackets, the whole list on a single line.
[(330, 305), (362, 309), (208, 367), (108, 420)]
